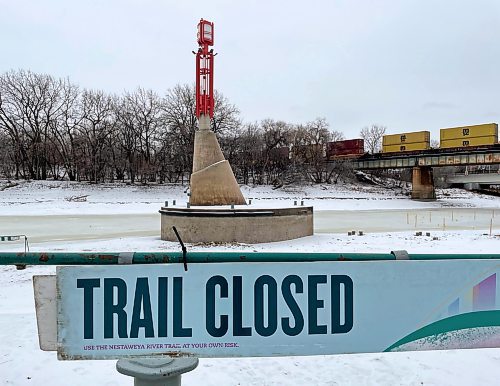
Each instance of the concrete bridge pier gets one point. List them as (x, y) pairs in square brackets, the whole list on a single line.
[(423, 184)]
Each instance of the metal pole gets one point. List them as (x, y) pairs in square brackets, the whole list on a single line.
[(156, 371), (111, 258)]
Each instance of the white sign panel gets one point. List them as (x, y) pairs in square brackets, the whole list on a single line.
[(44, 287), (270, 309)]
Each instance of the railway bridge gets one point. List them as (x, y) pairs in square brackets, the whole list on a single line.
[(423, 162)]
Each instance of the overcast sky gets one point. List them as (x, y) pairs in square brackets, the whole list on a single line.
[(406, 64)]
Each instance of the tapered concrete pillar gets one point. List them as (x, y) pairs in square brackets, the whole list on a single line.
[(423, 184), (212, 180)]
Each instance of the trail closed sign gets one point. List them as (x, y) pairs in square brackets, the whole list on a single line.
[(276, 309)]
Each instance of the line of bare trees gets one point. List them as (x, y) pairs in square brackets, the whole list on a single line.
[(50, 128), (277, 152)]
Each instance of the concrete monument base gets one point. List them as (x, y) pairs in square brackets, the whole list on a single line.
[(212, 181), (243, 225)]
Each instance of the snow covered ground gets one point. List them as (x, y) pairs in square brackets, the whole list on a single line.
[(23, 363), (56, 197)]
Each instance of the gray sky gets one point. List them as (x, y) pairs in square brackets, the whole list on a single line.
[(407, 64)]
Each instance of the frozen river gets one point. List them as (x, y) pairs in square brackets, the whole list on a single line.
[(331, 221), (92, 227)]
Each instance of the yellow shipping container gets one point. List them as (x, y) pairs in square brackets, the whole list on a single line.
[(486, 130), (412, 137), (465, 142), (415, 146)]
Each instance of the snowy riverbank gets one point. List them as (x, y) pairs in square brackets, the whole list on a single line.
[(64, 197)]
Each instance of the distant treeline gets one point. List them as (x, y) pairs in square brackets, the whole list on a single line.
[(50, 128)]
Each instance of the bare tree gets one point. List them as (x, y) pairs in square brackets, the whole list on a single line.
[(180, 123), (226, 115), (243, 148), (7, 161), (64, 129), (9, 131), (276, 136), (373, 137), (143, 116), (317, 135), (29, 104), (96, 127), (336, 136), (126, 153), (309, 147)]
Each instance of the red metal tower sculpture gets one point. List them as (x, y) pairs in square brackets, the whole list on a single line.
[(212, 181), (205, 70)]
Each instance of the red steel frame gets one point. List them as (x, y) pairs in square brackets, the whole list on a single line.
[(205, 70)]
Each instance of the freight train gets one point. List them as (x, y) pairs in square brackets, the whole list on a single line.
[(451, 139)]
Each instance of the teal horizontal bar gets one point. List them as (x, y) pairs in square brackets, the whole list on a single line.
[(471, 256), (110, 258)]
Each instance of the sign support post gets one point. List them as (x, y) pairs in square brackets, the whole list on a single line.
[(156, 371)]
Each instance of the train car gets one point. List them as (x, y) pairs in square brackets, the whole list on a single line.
[(405, 147), (468, 142), (349, 148), (404, 142), (412, 137), (469, 136)]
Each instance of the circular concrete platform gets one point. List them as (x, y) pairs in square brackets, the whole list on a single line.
[(242, 225)]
